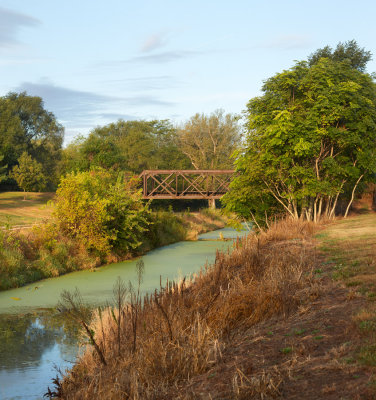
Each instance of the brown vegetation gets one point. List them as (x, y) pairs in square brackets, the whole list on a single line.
[(154, 349)]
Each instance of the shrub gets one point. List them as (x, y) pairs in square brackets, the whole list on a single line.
[(101, 213)]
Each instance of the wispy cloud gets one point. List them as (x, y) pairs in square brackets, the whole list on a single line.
[(11, 23), (146, 83), (117, 116), (154, 41), (288, 42), (165, 57), (79, 109)]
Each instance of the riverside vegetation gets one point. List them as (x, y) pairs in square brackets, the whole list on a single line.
[(97, 219), (289, 310), (152, 348)]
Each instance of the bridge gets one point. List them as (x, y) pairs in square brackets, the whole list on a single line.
[(186, 184)]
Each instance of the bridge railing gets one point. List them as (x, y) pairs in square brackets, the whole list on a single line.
[(185, 184)]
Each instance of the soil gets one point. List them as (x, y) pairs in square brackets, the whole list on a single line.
[(310, 354)]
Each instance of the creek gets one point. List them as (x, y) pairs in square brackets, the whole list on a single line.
[(36, 341)]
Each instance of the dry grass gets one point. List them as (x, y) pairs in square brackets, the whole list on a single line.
[(15, 210), (183, 329), (204, 221)]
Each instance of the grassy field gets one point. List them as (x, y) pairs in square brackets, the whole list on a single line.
[(14, 210)]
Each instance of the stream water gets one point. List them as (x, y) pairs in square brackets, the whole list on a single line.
[(36, 341)]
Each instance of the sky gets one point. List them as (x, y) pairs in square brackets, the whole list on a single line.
[(94, 62)]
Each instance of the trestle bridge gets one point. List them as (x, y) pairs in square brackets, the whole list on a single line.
[(186, 184)]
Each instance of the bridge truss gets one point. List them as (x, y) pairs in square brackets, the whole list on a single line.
[(185, 184)]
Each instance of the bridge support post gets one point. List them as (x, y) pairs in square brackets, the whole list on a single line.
[(212, 204)]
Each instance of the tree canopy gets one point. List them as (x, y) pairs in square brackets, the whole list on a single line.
[(348, 52), (127, 145), (25, 126), (209, 140), (28, 174), (311, 137)]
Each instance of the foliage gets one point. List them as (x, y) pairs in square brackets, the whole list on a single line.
[(46, 251), (3, 169), (25, 126), (101, 213), (166, 227), (311, 137), (28, 174), (209, 140), (128, 146), (348, 52)]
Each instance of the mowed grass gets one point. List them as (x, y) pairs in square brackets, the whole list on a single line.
[(14, 210), (349, 246)]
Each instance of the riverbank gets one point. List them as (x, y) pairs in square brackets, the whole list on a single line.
[(29, 255), (289, 312)]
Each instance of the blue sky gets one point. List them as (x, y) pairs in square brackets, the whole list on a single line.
[(94, 62)]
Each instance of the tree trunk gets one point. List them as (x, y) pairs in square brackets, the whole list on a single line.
[(319, 210), (295, 208), (352, 195), (327, 206), (309, 211), (315, 210), (332, 211)]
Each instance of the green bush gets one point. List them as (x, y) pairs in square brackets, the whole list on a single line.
[(100, 212)]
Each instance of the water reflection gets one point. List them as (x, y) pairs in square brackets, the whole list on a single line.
[(30, 345)]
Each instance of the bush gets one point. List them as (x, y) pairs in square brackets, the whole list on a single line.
[(101, 213)]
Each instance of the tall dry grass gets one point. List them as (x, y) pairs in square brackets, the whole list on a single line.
[(180, 331)]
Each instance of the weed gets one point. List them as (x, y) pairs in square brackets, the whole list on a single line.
[(286, 350), (318, 271), (353, 283), (367, 355), (183, 328)]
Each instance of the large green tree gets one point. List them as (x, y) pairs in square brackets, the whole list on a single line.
[(26, 126), (28, 174), (311, 138), (128, 146)]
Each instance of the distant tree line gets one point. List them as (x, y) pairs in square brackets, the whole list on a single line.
[(309, 142), (32, 156)]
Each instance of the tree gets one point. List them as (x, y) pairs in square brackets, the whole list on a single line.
[(311, 138), (28, 174), (127, 146), (209, 141), (348, 52), (25, 126), (101, 213), (3, 169)]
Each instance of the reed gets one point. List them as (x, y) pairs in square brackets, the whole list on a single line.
[(182, 328)]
